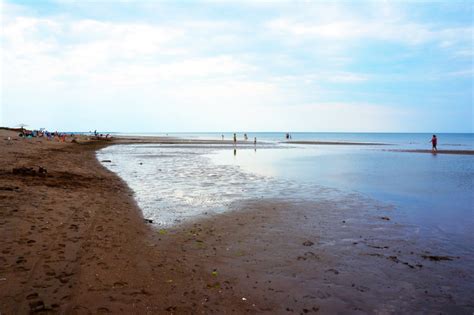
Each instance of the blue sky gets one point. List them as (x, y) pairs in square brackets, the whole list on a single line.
[(244, 65)]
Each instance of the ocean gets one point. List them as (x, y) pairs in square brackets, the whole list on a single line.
[(448, 141), (431, 193)]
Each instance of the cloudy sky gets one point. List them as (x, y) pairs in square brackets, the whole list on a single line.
[(238, 66)]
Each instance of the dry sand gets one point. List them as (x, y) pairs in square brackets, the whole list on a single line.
[(74, 241)]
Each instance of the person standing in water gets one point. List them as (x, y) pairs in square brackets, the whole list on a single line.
[(235, 139), (434, 143)]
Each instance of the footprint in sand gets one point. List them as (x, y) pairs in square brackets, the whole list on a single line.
[(20, 260), (36, 306), (32, 296), (103, 265), (81, 310), (49, 271), (103, 310), (120, 284)]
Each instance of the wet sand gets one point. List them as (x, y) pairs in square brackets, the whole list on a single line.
[(172, 140), (459, 152), (334, 143), (74, 241)]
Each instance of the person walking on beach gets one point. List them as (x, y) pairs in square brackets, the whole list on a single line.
[(222, 137), (235, 139), (434, 143), (255, 141)]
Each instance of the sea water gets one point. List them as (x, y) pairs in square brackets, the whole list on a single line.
[(432, 192), (178, 183), (448, 141)]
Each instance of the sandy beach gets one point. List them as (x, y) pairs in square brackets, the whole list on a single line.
[(74, 241)]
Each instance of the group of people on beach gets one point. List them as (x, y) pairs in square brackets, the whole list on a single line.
[(101, 135), (58, 136), (246, 138), (434, 140)]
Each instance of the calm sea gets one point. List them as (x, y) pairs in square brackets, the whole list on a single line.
[(449, 141)]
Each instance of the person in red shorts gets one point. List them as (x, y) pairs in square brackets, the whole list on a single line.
[(434, 142)]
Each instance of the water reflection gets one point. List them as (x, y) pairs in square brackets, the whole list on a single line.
[(433, 191), (175, 184)]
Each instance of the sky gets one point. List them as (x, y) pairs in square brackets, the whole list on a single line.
[(196, 66)]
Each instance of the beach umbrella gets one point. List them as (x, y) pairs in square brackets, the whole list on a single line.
[(21, 125)]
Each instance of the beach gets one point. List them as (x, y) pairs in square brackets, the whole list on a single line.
[(74, 240)]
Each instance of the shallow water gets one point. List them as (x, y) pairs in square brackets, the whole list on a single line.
[(173, 184), (433, 192), (447, 141)]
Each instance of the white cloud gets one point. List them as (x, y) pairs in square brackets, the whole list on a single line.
[(125, 39), (348, 77), (324, 76), (348, 29), (41, 49), (339, 117), (461, 73)]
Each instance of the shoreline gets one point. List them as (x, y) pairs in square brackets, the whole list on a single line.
[(249, 144), (458, 152), (334, 143), (75, 240)]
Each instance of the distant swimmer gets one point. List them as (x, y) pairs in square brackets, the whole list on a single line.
[(434, 143), (235, 139)]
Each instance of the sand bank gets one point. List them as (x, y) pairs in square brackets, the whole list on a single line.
[(459, 152), (74, 241), (172, 140), (333, 143)]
